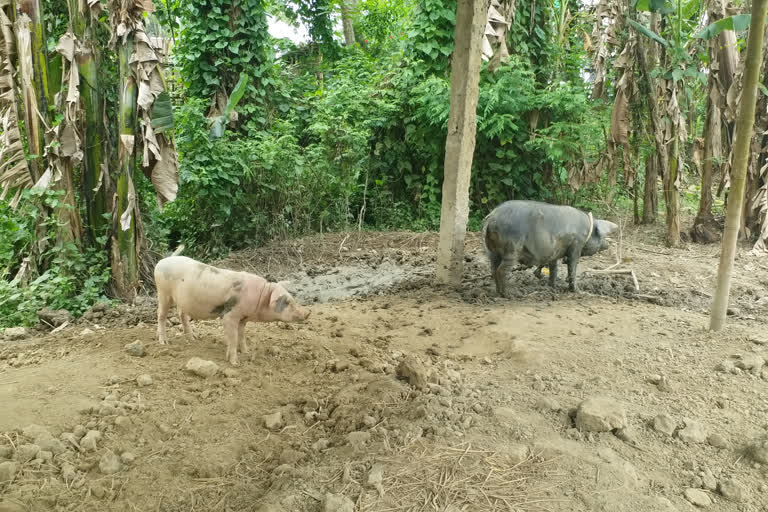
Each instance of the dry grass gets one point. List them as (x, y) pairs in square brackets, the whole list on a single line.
[(439, 478)]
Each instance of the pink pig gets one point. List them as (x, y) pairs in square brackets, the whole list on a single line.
[(203, 292)]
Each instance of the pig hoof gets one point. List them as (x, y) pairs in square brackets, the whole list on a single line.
[(234, 362)]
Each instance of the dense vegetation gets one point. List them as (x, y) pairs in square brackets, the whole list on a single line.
[(325, 135)]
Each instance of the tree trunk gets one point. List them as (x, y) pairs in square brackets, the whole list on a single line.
[(671, 180), (471, 18), (95, 179), (635, 203), (650, 195), (124, 253), (38, 99), (648, 61), (14, 168), (744, 124), (752, 194), (30, 36), (95, 175), (711, 130), (705, 229), (347, 11), (759, 201)]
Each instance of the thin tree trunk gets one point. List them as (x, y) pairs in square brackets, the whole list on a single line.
[(705, 229), (670, 181), (635, 202), (711, 130), (650, 195), (632, 149), (347, 11), (124, 253), (705, 202), (649, 60), (744, 124)]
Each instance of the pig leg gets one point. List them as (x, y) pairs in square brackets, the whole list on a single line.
[(501, 278), (230, 337), (163, 305), (497, 271), (185, 323), (573, 261), (537, 272), (241, 337), (552, 273)]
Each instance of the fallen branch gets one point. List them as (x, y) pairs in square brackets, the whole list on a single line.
[(651, 298), (654, 252), (61, 327), (341, 245), (609, 271), (616, 271)]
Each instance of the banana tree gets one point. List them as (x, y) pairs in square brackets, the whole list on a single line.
[(679, 71), (51, 147), (145, 138), (15, 172), (744, 129), (84, 59), (494, 44), (723, 61), (726, 96)]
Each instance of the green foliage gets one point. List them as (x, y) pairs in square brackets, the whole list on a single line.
[(221, 41), (648, 33), (649, 5), (217, 127), (316, 15), (379, 23), (431, 35), (510, 161), (738, 23), (162, 113), (237, 192), (531, 37), (74, 279), (16, 235)]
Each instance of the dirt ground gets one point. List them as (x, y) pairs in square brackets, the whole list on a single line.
[(399, 394)]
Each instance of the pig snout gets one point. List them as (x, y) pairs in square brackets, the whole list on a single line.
[(288, 310), (297, 313)]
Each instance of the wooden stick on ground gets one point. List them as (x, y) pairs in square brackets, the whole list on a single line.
[(616, 271)]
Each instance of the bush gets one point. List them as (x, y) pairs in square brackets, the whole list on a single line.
[(74, 280), (242, 191)]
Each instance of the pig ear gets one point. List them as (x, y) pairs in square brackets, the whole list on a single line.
[(605, 227), (281, 303)]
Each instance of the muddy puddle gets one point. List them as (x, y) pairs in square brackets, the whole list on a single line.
[(352, 281)]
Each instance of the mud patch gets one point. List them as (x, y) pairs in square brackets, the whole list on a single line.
[(351, 281)]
